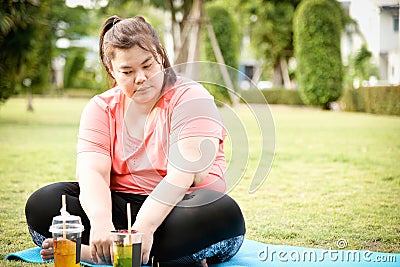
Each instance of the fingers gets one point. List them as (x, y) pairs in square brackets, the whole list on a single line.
[(204, 263), (145, 251), (112, 255), (98, 254), (147, 243), (47, 252), (48, 243), (101, 252), (106, 258), (145, 256), (93, 252)]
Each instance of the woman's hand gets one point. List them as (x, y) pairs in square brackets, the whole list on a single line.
[(101, 242), (147, 241)]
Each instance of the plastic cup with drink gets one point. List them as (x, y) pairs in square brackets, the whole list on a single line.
[(127, 248), (67, 230), (127, 245)]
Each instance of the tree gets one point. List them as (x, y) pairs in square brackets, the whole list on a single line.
[(24, 46), (74, 63), (180, 21), (317, 29), (29, 30), (228, 39), (226, 31), (70, 25), (363, 67), (270, 30)]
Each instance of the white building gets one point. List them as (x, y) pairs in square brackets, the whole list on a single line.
[(378, 22)]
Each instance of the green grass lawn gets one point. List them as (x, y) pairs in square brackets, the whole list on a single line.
[(335, 175)]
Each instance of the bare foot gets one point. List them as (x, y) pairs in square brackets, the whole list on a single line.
[(204, 263), (47, 252)]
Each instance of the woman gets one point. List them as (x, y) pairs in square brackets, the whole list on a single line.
[(155, 140)]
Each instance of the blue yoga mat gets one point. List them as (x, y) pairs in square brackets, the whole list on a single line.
[(254, 254)]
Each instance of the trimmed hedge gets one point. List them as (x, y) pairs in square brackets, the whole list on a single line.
[(274, 96), (316, 38), (376, 100)]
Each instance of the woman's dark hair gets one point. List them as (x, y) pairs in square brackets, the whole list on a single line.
[(127, 33)]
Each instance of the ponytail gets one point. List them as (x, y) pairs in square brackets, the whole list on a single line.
[(107, 25)]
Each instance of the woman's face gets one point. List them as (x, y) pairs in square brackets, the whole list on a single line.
[(138, 74)]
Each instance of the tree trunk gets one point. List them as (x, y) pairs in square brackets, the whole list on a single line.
[(194, 37), (220, 59), (277, 75), (30, 101), (285, 73), (193, 41), (257, 73), (174, 28), (181, 42)]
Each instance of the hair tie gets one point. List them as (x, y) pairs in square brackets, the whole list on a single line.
[(116, 20)]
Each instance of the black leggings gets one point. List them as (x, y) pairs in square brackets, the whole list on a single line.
[(201, 219)]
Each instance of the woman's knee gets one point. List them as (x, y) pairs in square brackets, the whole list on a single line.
[(203, 218), (43, 204), (217, 209), (47, 195)]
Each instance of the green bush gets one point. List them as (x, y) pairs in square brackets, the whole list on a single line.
[(74, 64), (317, 30), (377, 100), (279, 96), (226, 32)]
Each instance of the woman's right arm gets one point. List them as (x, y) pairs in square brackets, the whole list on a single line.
[(93, 173)]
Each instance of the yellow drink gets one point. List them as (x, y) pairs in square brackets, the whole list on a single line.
[(123, 256), (65, 253)]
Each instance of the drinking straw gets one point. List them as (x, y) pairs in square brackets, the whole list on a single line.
[(128, 211), (64, 208)]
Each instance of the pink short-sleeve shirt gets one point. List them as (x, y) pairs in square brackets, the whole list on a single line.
[(184, 110)]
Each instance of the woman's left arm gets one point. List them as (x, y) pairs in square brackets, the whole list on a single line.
[(190, 160)]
